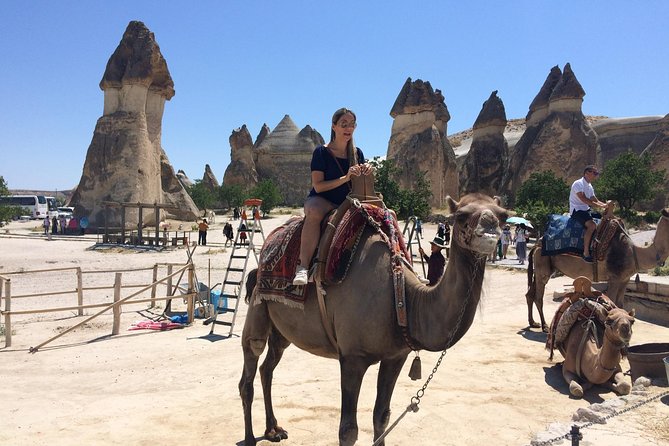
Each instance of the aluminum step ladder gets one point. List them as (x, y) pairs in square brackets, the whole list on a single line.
[(411, 238), (232, 287)]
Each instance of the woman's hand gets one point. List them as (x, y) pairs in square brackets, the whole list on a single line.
[(366, 169), (354, 171)]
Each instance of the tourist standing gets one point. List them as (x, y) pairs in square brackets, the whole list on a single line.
[(521, 243), (54, 225), (506, 240), (63, 223), (332, 167), (419, 228), (47, 224), (202, 232)]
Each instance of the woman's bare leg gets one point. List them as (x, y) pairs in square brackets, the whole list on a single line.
[(315, 208)]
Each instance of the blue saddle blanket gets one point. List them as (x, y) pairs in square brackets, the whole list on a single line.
[(563, 234)]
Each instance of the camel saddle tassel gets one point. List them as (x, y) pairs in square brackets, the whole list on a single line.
[(415, 370)]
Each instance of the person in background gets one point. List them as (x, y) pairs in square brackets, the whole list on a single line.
[(447, 237), (54, 225), (581, 200), (521, 243), (63, 223), (202, 227), (229, 235), (332, 167), (506, 240), (419, 228), (46, 224), (242, 233), (435, 261)]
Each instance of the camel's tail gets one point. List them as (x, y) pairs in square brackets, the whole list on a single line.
[(251, 280), (531, 281)]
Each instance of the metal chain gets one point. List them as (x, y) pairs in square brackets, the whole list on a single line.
[(415, 400), (567, 436)]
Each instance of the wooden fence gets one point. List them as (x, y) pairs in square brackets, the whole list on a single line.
[(6, 296)]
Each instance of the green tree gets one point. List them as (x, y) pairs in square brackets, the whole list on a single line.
[(542, 194), (232, 195), (628, 179), (201, 195), (7, 212), (405, 202), (269, 193)]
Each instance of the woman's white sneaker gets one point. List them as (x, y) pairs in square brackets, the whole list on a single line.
[(301, 276)]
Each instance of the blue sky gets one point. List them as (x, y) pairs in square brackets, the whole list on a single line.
[(251, 62)]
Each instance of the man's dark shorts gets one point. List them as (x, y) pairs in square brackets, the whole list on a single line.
[(581, 216)]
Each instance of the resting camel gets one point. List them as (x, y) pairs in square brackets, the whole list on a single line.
[(623, 260), (363, 318), (586, 364)]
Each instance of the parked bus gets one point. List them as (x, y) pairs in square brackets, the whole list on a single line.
[(35, 205)]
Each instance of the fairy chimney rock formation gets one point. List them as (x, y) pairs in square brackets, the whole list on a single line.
[(418, 141), (284, 156), (125, 161), (557, 137), (484, 164), (242, 170), (658, 149), (183, 179), (209, 179)]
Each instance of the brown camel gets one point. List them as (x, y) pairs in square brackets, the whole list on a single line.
[(363, 318), (586, 364), (622, 261)]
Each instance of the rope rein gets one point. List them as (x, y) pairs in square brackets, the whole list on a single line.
[(415, 400)]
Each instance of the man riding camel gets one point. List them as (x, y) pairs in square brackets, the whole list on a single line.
[(581, 200)]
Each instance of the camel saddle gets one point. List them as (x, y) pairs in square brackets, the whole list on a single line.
[(581, 304)]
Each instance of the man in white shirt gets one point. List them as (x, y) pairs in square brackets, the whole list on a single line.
[(581, 199)]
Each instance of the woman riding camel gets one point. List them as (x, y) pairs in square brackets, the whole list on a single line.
[(332, 167)]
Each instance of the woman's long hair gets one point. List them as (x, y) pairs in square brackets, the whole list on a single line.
[(350, 147)]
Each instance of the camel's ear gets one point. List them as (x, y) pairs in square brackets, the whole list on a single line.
[(452, 204), (498, 200), (632, 312)]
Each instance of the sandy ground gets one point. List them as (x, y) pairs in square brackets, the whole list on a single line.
[(495, 386)]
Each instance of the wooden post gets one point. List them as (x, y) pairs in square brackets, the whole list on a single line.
[(123, 224), (156, 209), (117, 308), (139, 224), (169, 281), (191, 289), (8, 317), (106, 239), (153, 288), (80, 291)]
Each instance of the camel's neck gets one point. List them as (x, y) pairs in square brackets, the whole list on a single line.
[(608, 357), (656, 252), (440, 315)]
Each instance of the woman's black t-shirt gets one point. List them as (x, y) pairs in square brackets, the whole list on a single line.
[(323, 161)]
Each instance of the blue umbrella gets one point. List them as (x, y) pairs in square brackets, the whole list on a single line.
[(519, 220)]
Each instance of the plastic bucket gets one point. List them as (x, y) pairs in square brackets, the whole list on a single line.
[(215, 298)]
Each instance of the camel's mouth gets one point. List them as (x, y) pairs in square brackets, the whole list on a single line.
[(485, 243)]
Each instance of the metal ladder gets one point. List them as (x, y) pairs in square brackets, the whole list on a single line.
[(411, 238), (232, 288)]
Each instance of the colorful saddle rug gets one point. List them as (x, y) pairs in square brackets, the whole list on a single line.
[(563, 235), (277, 264), (348, 234)]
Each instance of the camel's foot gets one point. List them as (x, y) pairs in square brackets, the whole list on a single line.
[(250, 441), (623, 388), (575, 389), (534, 324), (276, 434), (544, 328)]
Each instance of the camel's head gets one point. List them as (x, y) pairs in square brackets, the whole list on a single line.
[(477, 222), (619, 325)]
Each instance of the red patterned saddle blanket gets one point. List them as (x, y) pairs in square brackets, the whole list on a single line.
[(280, 254)]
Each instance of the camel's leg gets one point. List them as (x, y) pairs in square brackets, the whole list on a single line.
[(619, 384), (254, 338), (616, 292), (277, 345), (572, 380), (352, 369), (388, 373), (535, 294)]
